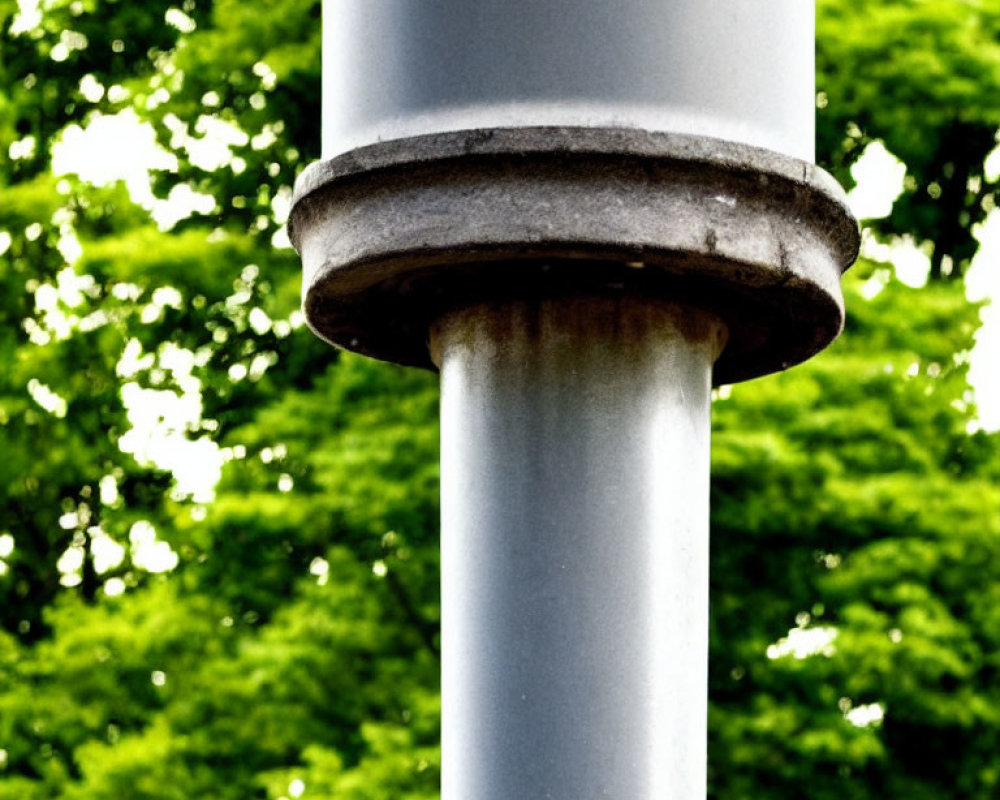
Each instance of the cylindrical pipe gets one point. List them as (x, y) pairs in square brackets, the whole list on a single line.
[(740, 71), (575, 460)]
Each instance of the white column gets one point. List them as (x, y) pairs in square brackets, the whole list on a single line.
[(741, 71), (575, 465)]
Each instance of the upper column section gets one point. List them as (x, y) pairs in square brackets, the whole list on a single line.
[(740, 70)]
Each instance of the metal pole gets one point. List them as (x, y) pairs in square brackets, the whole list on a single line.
[(575, 548), (573, 203), (741, 71)]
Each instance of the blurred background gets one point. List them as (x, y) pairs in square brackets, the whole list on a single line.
[(218, 536)]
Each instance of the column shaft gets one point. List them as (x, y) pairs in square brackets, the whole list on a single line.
[(575, 461)]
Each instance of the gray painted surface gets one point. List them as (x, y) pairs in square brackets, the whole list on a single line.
[(575, 458), (741, 71), (578, 202)]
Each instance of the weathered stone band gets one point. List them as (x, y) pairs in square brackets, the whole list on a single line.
[(395, 234)]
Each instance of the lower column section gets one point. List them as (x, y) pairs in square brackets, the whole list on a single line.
[(575, 463)]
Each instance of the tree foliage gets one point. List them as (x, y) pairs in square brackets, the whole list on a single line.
[(277, 635), (855, 544), (924, 77)]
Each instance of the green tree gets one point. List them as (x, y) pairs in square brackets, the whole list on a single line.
[(856, 545), (924, 77), (299, 612)]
